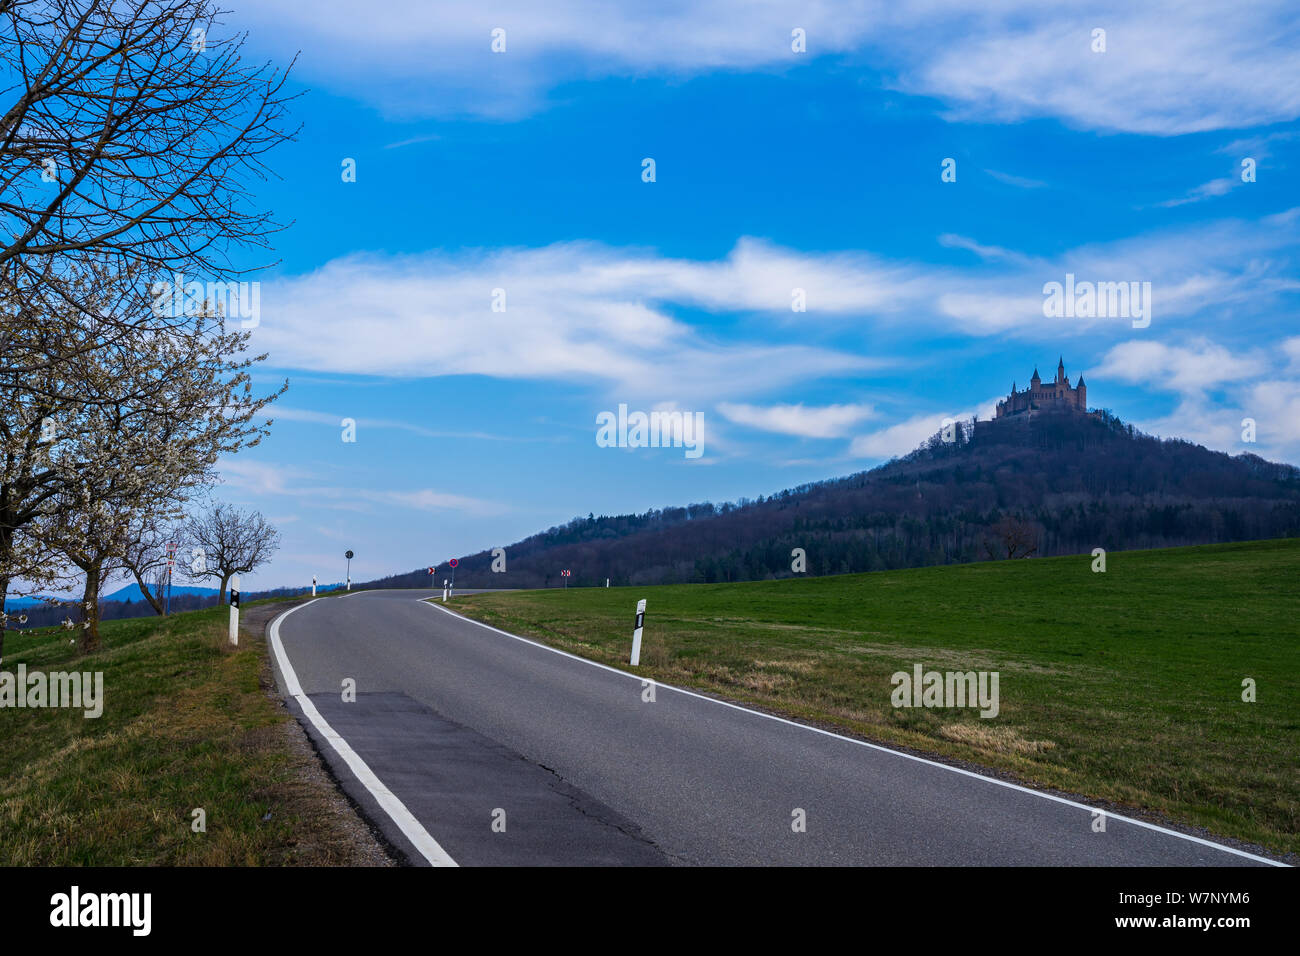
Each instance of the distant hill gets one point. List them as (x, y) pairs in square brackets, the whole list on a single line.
[(1077, 482), (131, 592), (33, 600), (129, 602)]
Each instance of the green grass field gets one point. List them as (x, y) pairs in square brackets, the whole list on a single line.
[(186, 724), (1124, 686)]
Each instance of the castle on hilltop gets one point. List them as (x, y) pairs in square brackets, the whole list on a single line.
[(1050, 396)]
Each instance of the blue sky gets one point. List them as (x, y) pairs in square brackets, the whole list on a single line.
[(775, 170)]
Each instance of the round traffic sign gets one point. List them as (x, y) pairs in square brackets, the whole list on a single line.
[(454, 563), (348, 555)]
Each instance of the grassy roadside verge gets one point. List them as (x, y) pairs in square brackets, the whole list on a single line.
[(187, 723), (1125, 687)]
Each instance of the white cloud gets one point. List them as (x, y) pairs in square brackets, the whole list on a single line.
[(897, 439), (1291, 348), (1211, 190), (1256, 147), (573, 311), (1192, 270), (1275, 406), (827, 421), (283, 413), (1247, 382), (902, 437), (1192, 368), (1020, 182), (645, 327), (1170, 67), (262, 480)]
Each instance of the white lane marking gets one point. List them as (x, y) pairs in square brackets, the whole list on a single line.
[(405, 820), (863, 743)]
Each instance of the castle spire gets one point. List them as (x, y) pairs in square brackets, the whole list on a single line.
[(1036, 379)]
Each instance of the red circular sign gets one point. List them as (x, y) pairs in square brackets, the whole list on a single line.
[(454, 563)]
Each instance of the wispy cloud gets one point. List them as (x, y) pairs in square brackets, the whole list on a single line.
[(1021, 182), (569, 312), (642, 326), (265, 480), (1169, 67), (827, 421), (282, 413), (1211, 190), (414, 140)]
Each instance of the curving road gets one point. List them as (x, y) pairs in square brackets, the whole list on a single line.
[(466, 745)]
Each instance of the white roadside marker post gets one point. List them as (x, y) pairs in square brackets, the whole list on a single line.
[(636, 632), (313, 585), (234, 610), (607, 582), (444, 590)]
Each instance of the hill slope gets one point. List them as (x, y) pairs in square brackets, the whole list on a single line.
[(1079, 482)]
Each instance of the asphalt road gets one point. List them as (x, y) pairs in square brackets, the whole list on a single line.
[(506, 753)]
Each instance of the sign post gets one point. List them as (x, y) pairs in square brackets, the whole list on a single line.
[(565, 574), (171, 560), (453, 562), (234, 610), (349, 557), (636, 632)]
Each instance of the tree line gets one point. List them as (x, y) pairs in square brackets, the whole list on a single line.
[(129, 137)]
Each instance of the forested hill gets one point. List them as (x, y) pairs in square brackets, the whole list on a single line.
[(1069, 482)]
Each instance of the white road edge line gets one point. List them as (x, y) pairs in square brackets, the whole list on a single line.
[(405, 820), (862, 743)]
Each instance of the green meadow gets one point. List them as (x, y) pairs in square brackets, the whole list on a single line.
[(1125, 687), (187, 723)]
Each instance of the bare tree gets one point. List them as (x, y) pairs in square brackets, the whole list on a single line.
[(129, 134), (1018, 538), (145, 557), (232, 542)]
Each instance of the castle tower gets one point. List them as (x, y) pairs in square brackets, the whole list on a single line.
[(1058, 394)]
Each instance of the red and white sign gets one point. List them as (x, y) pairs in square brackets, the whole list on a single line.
[(454, 563), (565, 573), (432, 569)]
